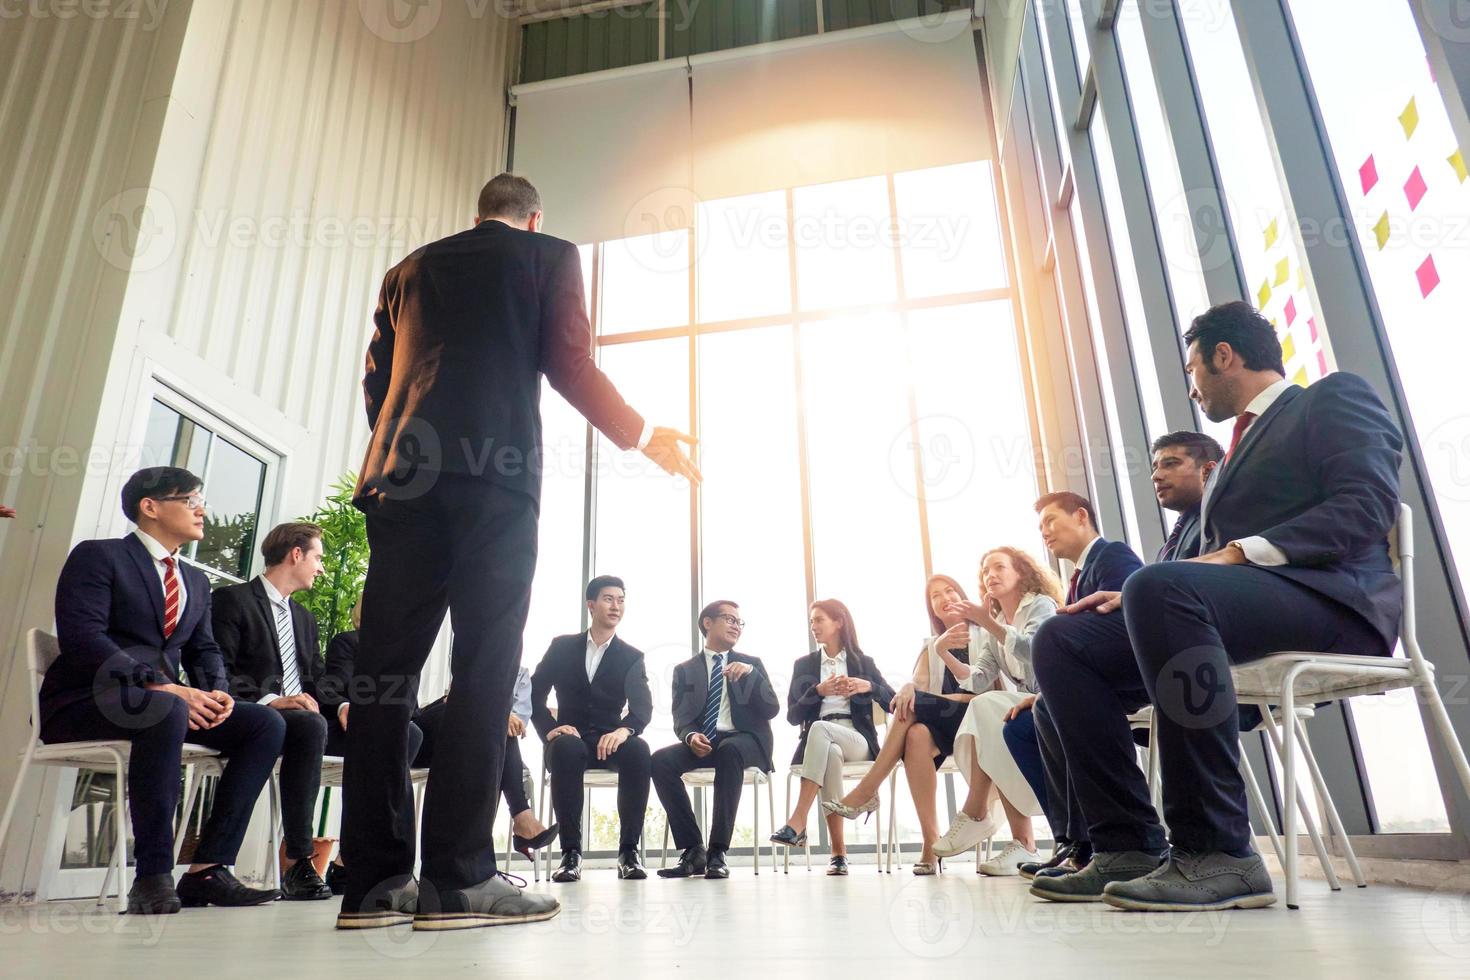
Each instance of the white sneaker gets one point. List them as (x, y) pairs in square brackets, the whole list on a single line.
[(1008, 863), (965, 833)]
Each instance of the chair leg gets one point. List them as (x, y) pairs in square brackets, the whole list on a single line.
[(274, 881), (1430, 701), (15, 788), (1287, 702), (192, 779), (786, 859), (120, 819), (771, 813), (755, 816), (1334, 820), (1253, 795), (1329, 871), (663, 849), (893, 844)]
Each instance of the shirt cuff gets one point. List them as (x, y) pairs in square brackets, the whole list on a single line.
[(267, 698), (1259, 551), (645, 436), (341, 708)]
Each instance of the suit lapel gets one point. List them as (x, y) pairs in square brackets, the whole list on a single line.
[(151, 584), (1220, 479), (601, 664), (263, 602)]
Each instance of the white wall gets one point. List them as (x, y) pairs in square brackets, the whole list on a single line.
[(211, 201)]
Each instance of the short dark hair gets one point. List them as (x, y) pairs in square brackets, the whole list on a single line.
[(1071, 503), (285, 538), (509, 196), (1242, 326), (1200, 447), (154, 483), (711, 611), (595, 587)]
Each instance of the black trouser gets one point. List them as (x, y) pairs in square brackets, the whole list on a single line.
[(1063, 809), (466, 547), (568, 757), (733, 753), (513, 771), (301, 777), (337, 742), (1186, 623), (157, 725)]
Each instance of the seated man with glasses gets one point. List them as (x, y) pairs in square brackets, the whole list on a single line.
[(723, 706), (132, 618)]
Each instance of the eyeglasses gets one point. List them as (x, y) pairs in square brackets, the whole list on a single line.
[(738, 623), (193, 501)]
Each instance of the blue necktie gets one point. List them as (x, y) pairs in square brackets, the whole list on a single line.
[(712, 699)]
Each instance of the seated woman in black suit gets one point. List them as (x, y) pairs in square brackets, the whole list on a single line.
[(927, 714), (833, 690)]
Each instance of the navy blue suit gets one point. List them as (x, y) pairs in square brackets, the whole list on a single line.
[(1317, 476), (109, 624)]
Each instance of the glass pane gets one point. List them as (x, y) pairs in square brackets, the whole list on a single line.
[(1403, 171), (556, 595), (643, 518), (233, 486), (844, 250), (865, 513), (974, 435), (1134, 319), (1265, 228), (743, 263), (948, 230), (750, 506), (645, 282), (1080, 47), (160, 436)]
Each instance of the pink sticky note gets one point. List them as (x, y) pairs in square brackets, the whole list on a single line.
[(1290, 311), (1428, 276), (1368, 174), (1322, 361), (1414, 188), (1312, 322)]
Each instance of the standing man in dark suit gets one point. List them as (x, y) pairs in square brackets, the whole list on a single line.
[(603, 705), (723, 706), (131, 618), (1069, 529), (1182, 465), (1294, 556), (272, 652), (466, 327)]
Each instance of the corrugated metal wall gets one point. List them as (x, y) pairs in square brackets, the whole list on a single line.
[(211, 199)]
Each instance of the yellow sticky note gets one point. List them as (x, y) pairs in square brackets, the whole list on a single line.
[(1301, 277), (1380, 231), (1264, 295), (1409, 119), (1283, 272), (1457, 160), (1288, 348), (1301, 379), (1271, 232)]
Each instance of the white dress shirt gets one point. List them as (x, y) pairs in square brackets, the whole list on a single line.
[(834, 704), (158, 553), (1259, 551), (594, 654), (724, 723), (273, 594), (1081, 561)]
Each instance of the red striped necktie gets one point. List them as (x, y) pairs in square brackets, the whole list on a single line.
[(170, 598), (1242, 422)]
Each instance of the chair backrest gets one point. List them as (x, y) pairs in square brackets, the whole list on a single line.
[(880, 718), (42, 649)]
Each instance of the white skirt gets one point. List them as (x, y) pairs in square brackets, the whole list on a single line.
[(980, 738)]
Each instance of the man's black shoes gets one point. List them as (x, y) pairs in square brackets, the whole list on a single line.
[(691, 863), (301, 883), (571, 868), (153, 895), (217, 886)]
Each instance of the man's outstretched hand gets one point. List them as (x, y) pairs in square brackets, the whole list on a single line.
[(663, 449)]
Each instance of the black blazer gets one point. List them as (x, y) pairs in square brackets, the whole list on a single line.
[(804, 704), (595, 706), (753, 701), (1317, 475), (335, 683), (109, 625), (245, 626), (466, 326), (1107, 568)]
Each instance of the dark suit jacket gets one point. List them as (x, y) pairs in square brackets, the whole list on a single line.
[(1108, 567), (594, 706), (753, 701), (804, 704), (335, 683), (245, 626), (1317, 475), (109, 625), (1189, 537), (466, 326)]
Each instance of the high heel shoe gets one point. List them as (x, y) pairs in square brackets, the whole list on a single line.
[(525, 845), (850, 812)]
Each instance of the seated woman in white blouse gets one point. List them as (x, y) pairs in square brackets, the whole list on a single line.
[(1017, 594)]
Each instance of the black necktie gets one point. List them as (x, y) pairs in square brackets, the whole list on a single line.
[(1166, 553)]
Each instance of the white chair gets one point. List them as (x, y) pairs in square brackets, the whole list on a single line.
[(755, 777), (333, 767), (949, 771), (591, 779), (850, 771), (1318, 678), (41, 652)]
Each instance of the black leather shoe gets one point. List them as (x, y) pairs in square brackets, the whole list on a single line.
[(789, 837), (217, 886), (153, 895), (630, 866), (692, 862), (571, 868), (1031, 869), (337, 878), (301, 883), (715, 867), (838, 865)]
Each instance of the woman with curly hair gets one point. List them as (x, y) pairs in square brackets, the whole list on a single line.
[(1017, 594)]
